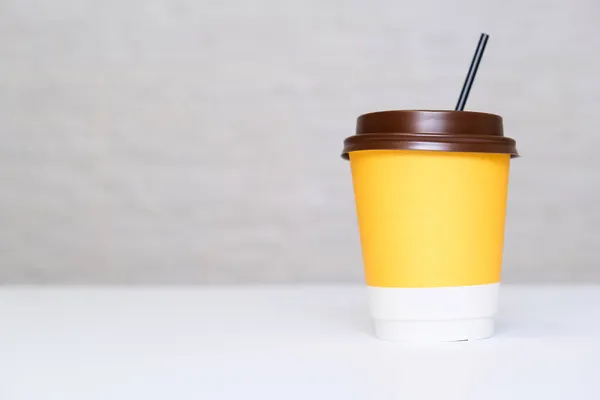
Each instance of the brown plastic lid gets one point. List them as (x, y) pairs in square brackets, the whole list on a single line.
[(455, 131)]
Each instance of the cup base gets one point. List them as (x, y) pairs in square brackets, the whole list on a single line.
[(435, 331)]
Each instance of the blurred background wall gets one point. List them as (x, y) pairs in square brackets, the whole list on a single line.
[(186, 141)]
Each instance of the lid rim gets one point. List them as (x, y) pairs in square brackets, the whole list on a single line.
[(426, 142), (346, 153)]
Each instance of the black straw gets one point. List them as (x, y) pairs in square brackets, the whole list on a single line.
[(464, 94)]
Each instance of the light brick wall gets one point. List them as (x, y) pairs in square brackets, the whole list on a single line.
[(197, 141)]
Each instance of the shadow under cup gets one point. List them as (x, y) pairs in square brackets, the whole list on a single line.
[(431, 189)]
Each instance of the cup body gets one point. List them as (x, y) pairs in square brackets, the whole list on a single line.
[(432, 231)]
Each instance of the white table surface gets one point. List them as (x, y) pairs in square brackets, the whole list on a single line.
[(309, 342)]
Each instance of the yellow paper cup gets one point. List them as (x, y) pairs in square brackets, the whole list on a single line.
[(430, 189)]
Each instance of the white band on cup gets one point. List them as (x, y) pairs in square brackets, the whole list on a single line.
[(439, 313)]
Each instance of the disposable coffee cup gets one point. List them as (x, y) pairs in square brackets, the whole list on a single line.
[(430, 190)]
